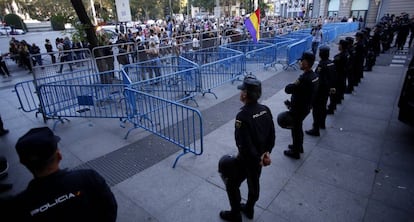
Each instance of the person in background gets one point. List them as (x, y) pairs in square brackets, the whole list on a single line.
[(49, 49), (316, 33)]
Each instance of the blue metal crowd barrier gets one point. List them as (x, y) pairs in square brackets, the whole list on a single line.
[(217, 66), (173, 78), (307, 37), (258, 53), (27, 91), (27, 95), (94, 96), (330, 34), (177, 123), (281, 47), (295, 52)]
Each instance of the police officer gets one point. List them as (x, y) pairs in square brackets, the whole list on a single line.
[(351, 73), (303, 91), (255, 138), (359, 56), (341, 61), (369, 50), (326, 73), (56, 194)]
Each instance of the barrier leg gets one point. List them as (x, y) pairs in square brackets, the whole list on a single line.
[(209, 91), (60, 120), (185, 151)]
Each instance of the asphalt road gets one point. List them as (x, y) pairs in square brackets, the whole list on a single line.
[(32, 37)]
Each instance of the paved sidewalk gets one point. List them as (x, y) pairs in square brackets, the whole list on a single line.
[(359, 169)]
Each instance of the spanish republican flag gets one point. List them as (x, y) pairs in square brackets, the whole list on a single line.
[(252, 24)]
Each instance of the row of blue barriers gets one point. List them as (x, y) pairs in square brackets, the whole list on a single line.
[(153, 94)]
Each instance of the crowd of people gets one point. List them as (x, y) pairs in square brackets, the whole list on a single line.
[(175, 37), (133, 44)]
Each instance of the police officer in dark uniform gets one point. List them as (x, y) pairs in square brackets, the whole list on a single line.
[(341, 61), (351, 73), (370, 58), (303, 91), (255, 138), (376, 39), (359, 56), (56, 194), (326, 73)]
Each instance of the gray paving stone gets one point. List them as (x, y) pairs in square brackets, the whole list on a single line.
[(198, 205), (395, 188), (307, 199), (352, 143), (128, 211), (398, 155), (365, 126), (372, 111), (268, 216), (379, 212), (158, 188), (344, 171)]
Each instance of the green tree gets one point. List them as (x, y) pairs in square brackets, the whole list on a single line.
[(40, 9), (208, 5)]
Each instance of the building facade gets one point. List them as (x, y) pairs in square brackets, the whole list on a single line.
[(370, 11)]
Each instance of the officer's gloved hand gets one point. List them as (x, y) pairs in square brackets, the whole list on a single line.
[(288, 103)]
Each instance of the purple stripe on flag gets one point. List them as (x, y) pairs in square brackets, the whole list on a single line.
[(251, 29)]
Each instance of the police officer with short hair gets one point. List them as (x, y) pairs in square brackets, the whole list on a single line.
[(255, 138), (351, 73), (359, 57), (326, 73), (303, 91), (58, 194), (341, 62)]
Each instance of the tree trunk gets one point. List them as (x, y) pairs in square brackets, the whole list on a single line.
[(90, 34), (85, 20)]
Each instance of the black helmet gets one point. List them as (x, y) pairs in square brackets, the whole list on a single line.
[(343, 43), (350, 40), (285, 120), (308, 56), (253, 87), (324, 51), (359, 34), (228, 166)]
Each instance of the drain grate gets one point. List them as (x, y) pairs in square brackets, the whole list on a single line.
[(129, 160)]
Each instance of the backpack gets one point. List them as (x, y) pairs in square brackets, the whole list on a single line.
[(66, 45)]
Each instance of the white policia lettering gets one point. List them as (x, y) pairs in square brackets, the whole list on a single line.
[(58, 200), (259, 114)]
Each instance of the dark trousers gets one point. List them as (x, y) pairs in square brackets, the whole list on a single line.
[(1, 125), (252, 175), (3, 69), (319, 111), (315, 46), (65, 59), (297, 131)]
